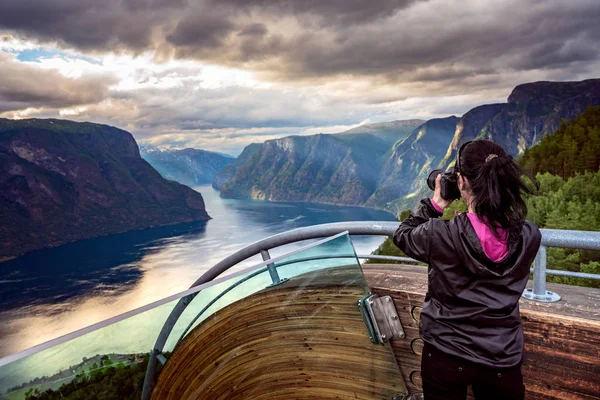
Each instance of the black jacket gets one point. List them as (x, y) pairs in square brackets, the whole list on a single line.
[(471, 309)]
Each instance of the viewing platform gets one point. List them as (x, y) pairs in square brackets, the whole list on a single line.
[(311, 323)]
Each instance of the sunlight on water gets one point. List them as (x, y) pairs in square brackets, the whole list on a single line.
[(52, 292)]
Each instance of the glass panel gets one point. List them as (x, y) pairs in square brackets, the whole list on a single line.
[(331, 253), (292, 328), (303, 337)]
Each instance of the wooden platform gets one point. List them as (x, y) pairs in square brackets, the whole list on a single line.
[(562, 340), (285, 343)]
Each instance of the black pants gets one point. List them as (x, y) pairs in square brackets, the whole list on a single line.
[(446, 378)]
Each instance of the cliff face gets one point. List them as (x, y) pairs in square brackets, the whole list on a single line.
[(62, 181), (405, 172), (535, 110), (318, 168), (190, 167), (230, 170), (337, 169)]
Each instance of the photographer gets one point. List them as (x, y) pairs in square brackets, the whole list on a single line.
[(479, 264)]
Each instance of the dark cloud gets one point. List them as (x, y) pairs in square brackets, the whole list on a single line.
[(23, 86), (202, 30), (88, 24), (323, 12), (253, 30), (378, 52), (400, 40)]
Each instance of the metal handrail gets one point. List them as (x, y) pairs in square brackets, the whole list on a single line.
[(550, 238), (283, 264)]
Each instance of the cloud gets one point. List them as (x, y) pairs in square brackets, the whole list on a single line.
[(208, 71), (289, 40), (24, 86)]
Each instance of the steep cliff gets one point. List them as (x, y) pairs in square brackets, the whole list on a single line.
[(338, 169), (190, 167), (319, 168), (62, 181), (405, 171), (533, 111), (230, 170)]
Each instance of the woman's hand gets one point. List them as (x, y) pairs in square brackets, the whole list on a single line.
[(437, 197)]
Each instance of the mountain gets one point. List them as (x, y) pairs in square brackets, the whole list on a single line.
[(533, 111), (62, 181), (367, 167), (190, 167), (387, 131), (470, 127), (405, 171), (318, 168), (230, 170), (339, 168)]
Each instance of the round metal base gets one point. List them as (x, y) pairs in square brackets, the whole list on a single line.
[(549, 297), (278, 283)]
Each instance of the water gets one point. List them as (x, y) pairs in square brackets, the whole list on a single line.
[(49, 293)]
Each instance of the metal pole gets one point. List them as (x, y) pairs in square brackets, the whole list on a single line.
[(272, 270), (539, 292), (539, 272)]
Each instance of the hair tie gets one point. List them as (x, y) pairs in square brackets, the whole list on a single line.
[(490, 157)]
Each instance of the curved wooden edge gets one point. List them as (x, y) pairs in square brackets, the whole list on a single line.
[(285, 343)]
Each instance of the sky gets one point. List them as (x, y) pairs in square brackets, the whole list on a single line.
[(221, 74)]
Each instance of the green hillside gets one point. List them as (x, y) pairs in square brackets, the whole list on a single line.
[(574, 148)]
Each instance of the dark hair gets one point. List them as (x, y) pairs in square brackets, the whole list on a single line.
[(497, 186)]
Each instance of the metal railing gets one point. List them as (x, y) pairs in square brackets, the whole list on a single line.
[(550, 238)]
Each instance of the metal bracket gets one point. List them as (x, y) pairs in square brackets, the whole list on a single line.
[(381, 318), (278, 283), (549, 297)]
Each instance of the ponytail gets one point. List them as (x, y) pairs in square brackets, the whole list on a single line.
[(497, 188)]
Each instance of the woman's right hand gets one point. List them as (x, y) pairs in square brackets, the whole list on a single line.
[(437, 197)]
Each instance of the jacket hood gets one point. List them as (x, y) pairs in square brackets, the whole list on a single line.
[(472, 256)]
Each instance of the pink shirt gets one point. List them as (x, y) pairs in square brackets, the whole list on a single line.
[(493, 248)]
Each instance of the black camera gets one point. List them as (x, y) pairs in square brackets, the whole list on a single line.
[(448, 185)]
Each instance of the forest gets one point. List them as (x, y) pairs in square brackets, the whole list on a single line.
[(112, 382)]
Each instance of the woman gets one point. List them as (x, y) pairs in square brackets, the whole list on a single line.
[(478, 267)]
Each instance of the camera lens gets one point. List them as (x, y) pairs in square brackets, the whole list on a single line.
[(432, 177)]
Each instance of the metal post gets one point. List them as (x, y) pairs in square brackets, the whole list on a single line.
[(539, 272), (272, 270), (539, 292)]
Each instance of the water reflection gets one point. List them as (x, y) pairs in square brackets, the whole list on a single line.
[(105, 266), (55, 291)]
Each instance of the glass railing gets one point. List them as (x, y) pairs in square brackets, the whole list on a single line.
[(288, 325)]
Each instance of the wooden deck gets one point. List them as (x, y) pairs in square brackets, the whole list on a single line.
[(562, 340), (285, 343)]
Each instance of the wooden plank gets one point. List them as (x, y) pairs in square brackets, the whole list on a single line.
[(562, 341), (576, 301)]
